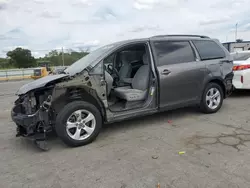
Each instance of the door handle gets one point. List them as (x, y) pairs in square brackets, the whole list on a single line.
[(166, 72)]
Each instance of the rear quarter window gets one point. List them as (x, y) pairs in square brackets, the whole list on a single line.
[(209, 50)]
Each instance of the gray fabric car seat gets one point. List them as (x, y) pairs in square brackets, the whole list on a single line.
[(138, 90), (126, 69), (109, 80)]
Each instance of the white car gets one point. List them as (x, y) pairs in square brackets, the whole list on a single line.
[(241, 69)]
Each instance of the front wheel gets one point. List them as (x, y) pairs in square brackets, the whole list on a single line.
[(78, 123), (212, 98)]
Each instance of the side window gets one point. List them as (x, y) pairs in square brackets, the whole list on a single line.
[(108, 63), (173, 52), (209, 49), (98, 69), (109, 59)]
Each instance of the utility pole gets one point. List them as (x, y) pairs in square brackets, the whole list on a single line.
[(236, 28), (62, 56)]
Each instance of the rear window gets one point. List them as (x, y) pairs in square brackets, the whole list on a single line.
[(241, 56), (209, 50)]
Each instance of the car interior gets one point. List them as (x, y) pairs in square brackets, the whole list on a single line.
[(127, 74)]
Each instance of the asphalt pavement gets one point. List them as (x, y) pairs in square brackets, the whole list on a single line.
[(139, 153)]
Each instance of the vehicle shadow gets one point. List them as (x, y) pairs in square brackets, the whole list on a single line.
[(139, 122), (144, 121), (150, 120), (240, 93)]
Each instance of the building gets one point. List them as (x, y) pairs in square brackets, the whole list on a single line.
[(237, 46)]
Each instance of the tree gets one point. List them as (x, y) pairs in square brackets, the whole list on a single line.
[(3, 63), (72, 57), (52, 53), (53, 58), (56, 58), (21, 58)]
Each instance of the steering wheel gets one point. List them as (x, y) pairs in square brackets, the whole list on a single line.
[(111, 69)]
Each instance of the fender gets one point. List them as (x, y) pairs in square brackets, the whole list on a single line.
[(80, 88), (217, 79)]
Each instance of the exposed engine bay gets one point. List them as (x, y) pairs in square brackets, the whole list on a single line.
[(32, 114)]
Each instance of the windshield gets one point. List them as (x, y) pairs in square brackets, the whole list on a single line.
[(90, 59), (241, 56)]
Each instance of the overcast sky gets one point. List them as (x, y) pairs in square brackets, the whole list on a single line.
[(43, 25)]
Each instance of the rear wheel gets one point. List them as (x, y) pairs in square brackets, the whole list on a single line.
[(78, 123), (212, 98)]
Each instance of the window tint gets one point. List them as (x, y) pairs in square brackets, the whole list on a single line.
[(209, 50), (173, 52)]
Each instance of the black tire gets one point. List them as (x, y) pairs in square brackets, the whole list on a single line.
[(65, 113), (204, 106)]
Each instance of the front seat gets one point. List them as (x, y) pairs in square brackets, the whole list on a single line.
[(126, 68), (139, 86)]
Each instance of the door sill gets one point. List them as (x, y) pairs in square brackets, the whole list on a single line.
[(131, 114)]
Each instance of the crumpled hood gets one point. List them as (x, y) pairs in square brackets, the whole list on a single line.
[(41, 82)]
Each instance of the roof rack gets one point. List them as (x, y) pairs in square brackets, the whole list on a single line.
[(199, 36)]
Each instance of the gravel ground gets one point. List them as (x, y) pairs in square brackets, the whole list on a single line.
[(136, 153)]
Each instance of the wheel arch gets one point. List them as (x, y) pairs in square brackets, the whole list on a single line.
[(219, 82), (71, 94)]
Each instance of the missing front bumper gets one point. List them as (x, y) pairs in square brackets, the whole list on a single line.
[(26, 124), (32, 124), (32, 127), (36, 124)]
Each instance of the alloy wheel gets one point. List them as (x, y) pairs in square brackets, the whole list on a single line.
[(213, 98), (80, 124)]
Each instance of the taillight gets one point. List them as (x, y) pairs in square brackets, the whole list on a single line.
[(241, 67)]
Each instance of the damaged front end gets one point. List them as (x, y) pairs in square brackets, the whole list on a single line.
[(32, 115)]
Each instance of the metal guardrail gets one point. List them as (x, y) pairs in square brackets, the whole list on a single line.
[(17, 74)]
